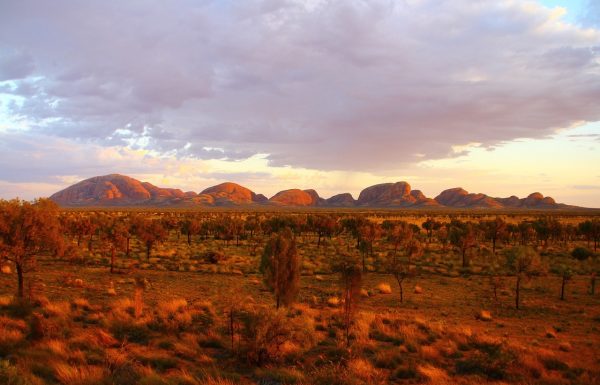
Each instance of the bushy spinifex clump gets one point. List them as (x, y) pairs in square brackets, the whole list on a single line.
[(184, 341)]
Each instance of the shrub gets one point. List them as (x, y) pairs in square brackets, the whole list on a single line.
[(265, 331), (10, 375), (212, 256), (172, 316), (581, 253), (130, 331), (384, 288)]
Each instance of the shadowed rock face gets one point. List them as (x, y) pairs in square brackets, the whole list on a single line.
[(296, 197), (121, 190), (459, 198), (392, 194), (341, 200)]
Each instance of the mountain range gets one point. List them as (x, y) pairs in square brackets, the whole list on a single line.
[(121, 190)]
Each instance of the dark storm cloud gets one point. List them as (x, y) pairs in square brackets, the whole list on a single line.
[(360, 85)]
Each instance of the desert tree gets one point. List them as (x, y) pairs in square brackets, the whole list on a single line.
[(280, 266), (141, 284), (237, 229), (150, 232), (526, 232), (189, 226), (462, 236), (524, 262), (430, 225), (369, 233), (349, 268), (494, 230), (322, 226), (402, 265), (566, 274), (352, 226), (27, 230), (114, 235), (590, 264), (590, 229)]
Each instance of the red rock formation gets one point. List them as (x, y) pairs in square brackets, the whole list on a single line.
[(392, 194), (341, 200), (229, 193), (295, 197)]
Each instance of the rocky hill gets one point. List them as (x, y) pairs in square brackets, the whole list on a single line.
[(121, 190), (228, 194), (397, 194), (296, 197), (114, 190), (460, 198)]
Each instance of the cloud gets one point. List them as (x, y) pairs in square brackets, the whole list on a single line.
[(346, 85), (15, 65)]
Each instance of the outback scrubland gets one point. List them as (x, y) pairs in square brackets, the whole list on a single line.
[(304, 297)]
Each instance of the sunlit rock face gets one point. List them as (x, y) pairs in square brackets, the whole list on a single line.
[(296, 197), (392, 194), (121, 190)]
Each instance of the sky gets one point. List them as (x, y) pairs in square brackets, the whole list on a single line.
[(497, 96)]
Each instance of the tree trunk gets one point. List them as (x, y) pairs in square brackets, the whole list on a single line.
[(20, 290), (364, 268), (278, 301), (231, 331), (112, 260), (148, 247), (562, 289), (494, 246), (189, 238), (517, 292), (400, 286), (464, 258), (127, 251)]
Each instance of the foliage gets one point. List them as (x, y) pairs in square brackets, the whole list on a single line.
[(280, 265)]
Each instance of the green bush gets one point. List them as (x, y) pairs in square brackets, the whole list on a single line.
[(581, 253)]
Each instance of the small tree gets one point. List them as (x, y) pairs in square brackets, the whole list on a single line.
[(26, 230), (462, 236), (351, 280), (280, 266), (566, 274), (141, 284), (150, 232), (494, 230), (114, 234), (402, 266), (523, 262)]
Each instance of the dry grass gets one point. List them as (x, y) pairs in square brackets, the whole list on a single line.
[(6, 300), (384, 288), (183, 335), (334, 301), (363, 369), (78, 375), (435, 375)]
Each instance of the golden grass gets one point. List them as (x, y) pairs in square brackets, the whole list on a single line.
[(384, 288), (434, 375), (78, 375), (333, 301), (6, 300), (362, 369)]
